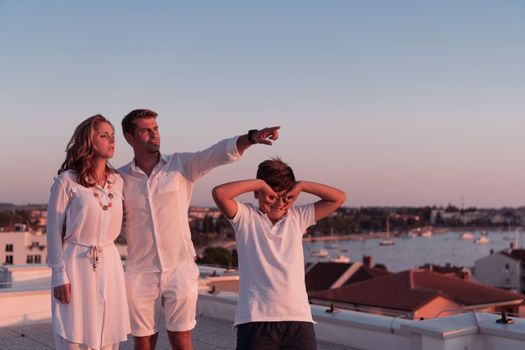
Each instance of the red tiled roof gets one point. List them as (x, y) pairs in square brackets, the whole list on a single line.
[(443, 269), (365, 273), (324, 274), (378, 271), (450, 270), (411, 289), (516, 254), (362, 274)]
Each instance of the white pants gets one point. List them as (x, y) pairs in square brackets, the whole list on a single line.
[(64, 344)]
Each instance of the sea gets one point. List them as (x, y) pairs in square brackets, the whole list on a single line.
[(413, 252)]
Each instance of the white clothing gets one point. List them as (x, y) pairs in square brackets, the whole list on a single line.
[(271, 265), (63, 344), (175, 291), (97, 314), (156, 207), (159, 239)]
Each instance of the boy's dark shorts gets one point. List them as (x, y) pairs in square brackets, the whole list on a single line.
[(276, 335)]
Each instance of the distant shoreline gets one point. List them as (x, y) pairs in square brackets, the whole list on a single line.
[(380, 235), (372, 235)]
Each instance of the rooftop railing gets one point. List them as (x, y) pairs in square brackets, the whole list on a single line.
[(356, 330)]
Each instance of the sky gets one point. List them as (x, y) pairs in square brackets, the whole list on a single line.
[(398, 103)]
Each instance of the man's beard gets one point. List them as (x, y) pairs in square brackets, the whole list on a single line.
[(153, 148)]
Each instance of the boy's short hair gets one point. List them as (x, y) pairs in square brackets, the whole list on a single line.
[(128, 123), (277, 174)]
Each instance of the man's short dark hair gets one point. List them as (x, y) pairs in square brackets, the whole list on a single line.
[(128, 123), (277, 174)]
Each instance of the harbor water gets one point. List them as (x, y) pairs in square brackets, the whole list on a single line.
[(412, 252)]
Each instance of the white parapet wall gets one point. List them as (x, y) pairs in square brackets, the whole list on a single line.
[(28, 301), (349, 328), (25, 294), (24, 307), (18, 273), (470, 331)]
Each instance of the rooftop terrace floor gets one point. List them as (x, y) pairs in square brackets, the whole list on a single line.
[(210, 334)]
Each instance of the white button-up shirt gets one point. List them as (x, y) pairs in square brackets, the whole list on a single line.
[(156, 207)]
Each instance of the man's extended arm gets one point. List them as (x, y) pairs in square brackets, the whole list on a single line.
[(265, 136), (197, 164)]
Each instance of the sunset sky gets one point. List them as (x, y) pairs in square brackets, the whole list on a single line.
[(395, 102)]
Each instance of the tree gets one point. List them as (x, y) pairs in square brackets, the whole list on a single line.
[(217, 256)]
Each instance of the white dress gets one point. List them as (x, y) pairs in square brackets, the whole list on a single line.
[(98, 314)]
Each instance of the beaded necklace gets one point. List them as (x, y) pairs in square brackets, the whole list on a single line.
[(110, 194)]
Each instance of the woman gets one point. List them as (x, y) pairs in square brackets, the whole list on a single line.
[(89, 304)]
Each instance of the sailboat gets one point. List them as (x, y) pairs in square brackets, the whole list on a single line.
[(321, 253), (426, 233), (340, 259), (466, 236), (388, 241), (483, 239), (333, 244)]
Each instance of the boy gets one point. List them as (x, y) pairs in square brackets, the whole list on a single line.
[(273, 310)]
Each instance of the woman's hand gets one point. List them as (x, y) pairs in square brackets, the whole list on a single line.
[(63, 293)]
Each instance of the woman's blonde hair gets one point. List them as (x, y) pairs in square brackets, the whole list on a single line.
[(80, 152)]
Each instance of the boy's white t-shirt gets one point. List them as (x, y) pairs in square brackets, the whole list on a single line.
[(271, 265)]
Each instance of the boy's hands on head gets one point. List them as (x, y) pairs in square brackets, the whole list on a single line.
[(291, 196), (266, 194), (331, 197), (224, 195)]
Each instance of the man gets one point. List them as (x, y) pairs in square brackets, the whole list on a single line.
[(161, 275)]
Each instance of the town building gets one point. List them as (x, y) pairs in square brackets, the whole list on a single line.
[(23, 247), (25, 322), (419, 294), (504, 269), (322, 275), (449, 270)]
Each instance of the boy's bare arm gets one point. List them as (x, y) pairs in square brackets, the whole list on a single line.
[(224, 195), (331, 197)]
